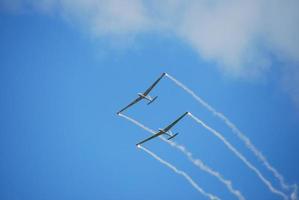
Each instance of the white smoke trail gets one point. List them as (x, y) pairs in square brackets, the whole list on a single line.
[(202, 166), (236, 131), (136, 123), (241, 157), (196, 162), (182, 173)]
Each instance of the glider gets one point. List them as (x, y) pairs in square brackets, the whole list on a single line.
[(144, 95), (164, 131)]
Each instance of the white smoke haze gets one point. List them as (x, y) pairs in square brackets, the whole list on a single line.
[(241, 36)]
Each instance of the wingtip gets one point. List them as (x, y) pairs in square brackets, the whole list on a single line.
[(138, 146)]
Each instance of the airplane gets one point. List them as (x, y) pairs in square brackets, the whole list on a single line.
[(144, 95), (165, 131)]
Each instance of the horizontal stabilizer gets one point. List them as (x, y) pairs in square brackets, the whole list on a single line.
[(172, 136), (152, 100)]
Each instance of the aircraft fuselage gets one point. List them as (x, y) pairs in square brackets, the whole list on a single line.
[(164, 132), (145, 97)]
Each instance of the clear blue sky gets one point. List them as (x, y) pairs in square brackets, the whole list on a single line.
[(60, 137)]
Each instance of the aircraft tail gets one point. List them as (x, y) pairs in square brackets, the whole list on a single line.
[(172, 136), (152, 100)]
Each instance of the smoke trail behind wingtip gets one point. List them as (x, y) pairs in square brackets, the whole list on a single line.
[(236, 131), (207, 169), (241, 157), (182, 173)]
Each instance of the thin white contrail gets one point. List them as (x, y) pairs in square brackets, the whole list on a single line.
[(182, 173), (236, 131), (241, 157), (196, 162)]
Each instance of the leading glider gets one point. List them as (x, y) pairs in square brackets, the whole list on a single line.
[(144, 95), (164, 131)]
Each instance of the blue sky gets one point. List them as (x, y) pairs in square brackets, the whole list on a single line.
[(63, 79)]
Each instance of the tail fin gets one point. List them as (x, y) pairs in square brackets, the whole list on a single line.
[(152, 100), (172, 136)]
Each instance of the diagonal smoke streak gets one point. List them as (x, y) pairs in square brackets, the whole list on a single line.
[(241, 157), (196, 162), (202, 166), (137, 123), (182, 173), (236, 131)]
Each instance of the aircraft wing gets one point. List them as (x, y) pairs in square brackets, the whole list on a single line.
[(153, 85), (153, 136), (131, 104), (175, 122)]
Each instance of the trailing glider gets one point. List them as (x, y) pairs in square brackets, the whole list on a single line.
[(144, 95), (165, 131)]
